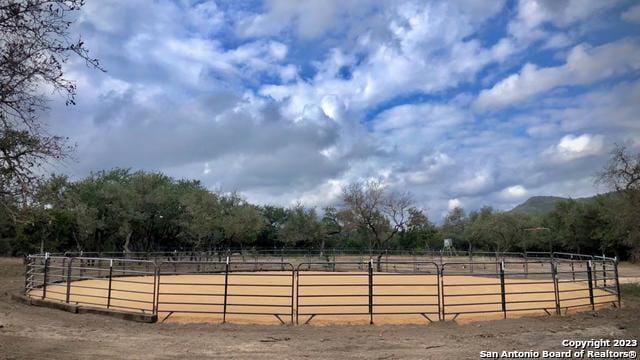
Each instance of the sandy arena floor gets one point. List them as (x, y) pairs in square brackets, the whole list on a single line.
[(262, 297)]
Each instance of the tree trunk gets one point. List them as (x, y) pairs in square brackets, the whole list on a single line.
[(378, 261), (126, 245), (75, 238)]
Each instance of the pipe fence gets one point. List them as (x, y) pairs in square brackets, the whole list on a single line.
[(119, 284), (329, 255), (224, 288), (299, 292)]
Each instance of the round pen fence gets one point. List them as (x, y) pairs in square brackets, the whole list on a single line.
[(367, 290), (215, 290), (119, 284), (299, 289)]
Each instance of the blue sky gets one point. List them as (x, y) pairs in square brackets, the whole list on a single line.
[(462, 103)]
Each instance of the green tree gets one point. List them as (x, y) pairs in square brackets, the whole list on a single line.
[(478, 230), (509, 231), (565, 223), (200, 211), (240, 221), (420, 233), (8, 228), (330, 227), (302, 227), (275, 218), (454, 224), (622, 174)]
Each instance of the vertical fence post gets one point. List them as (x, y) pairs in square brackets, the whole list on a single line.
[(297, 270), (110, 276), (594, 273), (255, 261), (155, 294), (46, 273), (439, 279), (615, 269), (573, 271), (69, 270), (556, 286), (26, 274), (503, 294), (226, 284), (442, 296), (590, 279), (293, 280), (370, 291), (156, 286), (604, 271), (386, 260), (282, 258)]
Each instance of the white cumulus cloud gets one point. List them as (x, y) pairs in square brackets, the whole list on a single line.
[(583, 65), (573, 147), (514, 192), (454, 203)]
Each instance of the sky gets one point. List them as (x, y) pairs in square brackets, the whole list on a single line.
[(461, 103)]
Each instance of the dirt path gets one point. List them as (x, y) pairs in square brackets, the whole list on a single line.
[(30, 332)]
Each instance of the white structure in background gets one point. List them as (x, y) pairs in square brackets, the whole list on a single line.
[(448, 247)]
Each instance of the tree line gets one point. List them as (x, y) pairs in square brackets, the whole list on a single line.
[(124, 211)]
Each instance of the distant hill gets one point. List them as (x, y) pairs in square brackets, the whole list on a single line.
[(538, 205)]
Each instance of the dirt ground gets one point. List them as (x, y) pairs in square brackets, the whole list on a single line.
[(28, 332)]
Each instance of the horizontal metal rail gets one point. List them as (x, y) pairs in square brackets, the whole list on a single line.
[(512, 283)]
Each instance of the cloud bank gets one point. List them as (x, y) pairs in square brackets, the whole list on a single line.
[(461, 103)]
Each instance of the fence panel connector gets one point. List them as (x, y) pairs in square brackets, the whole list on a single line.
[(615, 269), (556, 286), (226, 285), (370, 291), (297, 295), (503, 294), (590, 279), (439, 285), (69, 270), (154, 309), (45, 276), (110, 276), (27, 263), (293, 281)]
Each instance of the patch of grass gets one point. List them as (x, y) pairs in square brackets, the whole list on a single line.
[(630, 290)]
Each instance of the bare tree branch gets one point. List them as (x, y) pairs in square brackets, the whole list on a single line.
[(381, 213), (35, 43)]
